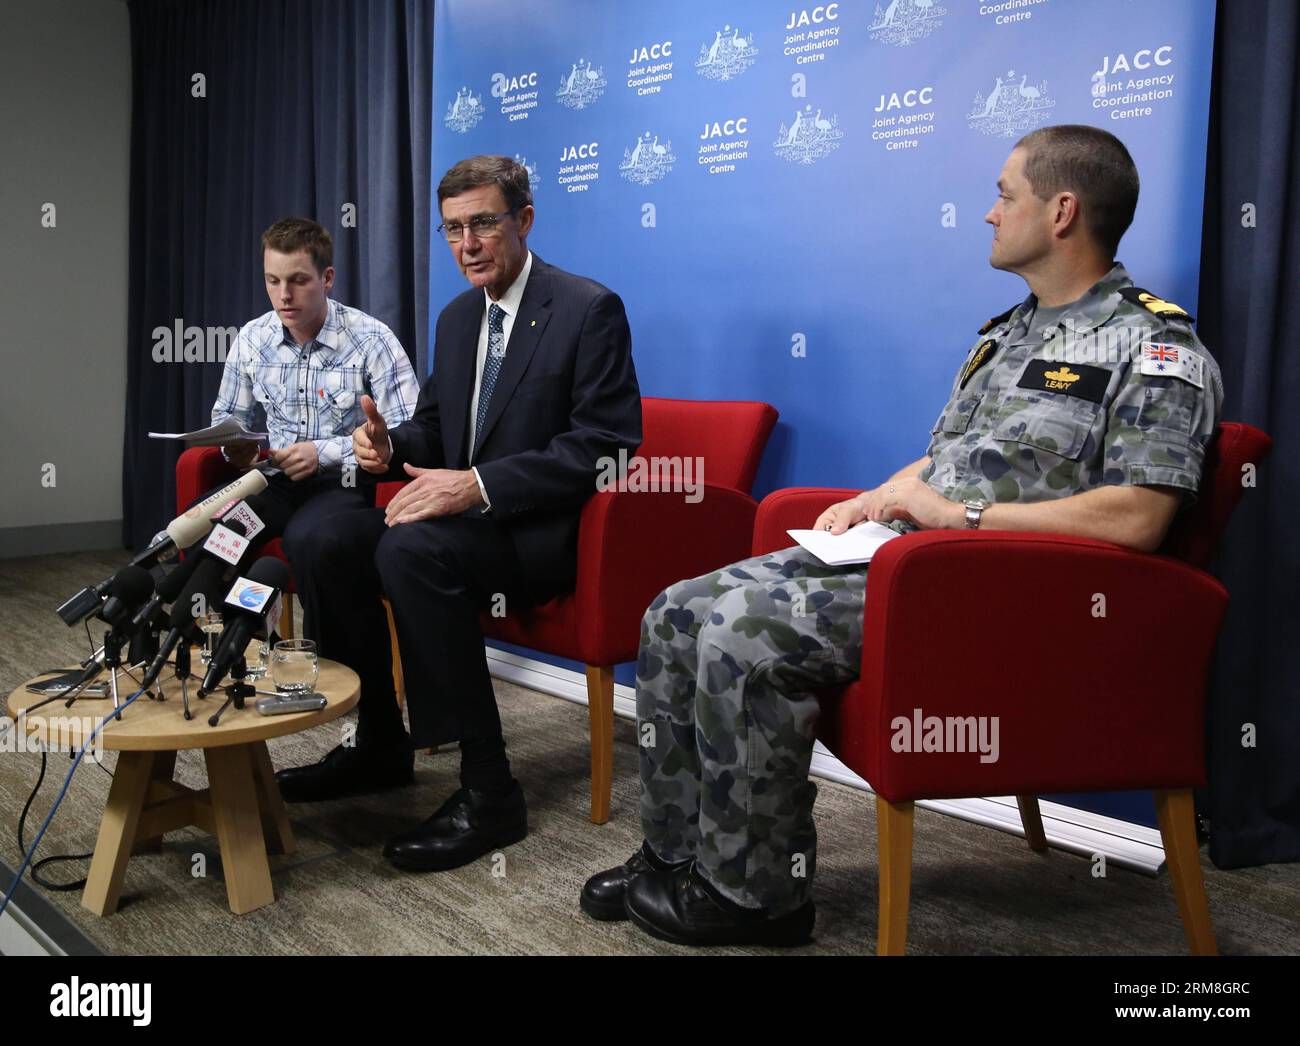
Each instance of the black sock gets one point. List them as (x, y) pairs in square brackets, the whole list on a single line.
[(484, 766), (380, 728)]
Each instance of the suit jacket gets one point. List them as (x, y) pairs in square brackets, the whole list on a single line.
[(565, 397)]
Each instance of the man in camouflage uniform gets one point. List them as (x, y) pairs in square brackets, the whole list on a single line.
[(1084, 410)]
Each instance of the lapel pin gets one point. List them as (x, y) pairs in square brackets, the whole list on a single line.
[(533, 324)]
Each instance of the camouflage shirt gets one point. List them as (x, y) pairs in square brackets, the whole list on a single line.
[(1120, 391)]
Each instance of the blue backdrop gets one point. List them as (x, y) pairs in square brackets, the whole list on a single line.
[(790, 199)]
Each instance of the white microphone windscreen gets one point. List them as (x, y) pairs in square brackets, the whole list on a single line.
[(195, 523)]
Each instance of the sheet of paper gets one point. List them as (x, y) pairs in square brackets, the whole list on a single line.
[(227, 430), (856, 545)]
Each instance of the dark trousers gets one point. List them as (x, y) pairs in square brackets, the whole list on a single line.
[(291, 509), (438, 574), (294, 510)]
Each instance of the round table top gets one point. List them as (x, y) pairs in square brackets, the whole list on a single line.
[(160, 726)]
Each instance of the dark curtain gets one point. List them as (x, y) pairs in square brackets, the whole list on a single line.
[(1250, 315), (308, 106)]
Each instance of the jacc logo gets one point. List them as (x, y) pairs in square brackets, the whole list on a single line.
[(465, 112), (581, 85), (1011, 109), (808, 137), (903, 21), (730, 54)]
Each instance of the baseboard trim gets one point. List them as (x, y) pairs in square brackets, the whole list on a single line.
[(31, 925), (1132, 846), (53, 538)]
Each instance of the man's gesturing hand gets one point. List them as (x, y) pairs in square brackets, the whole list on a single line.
[(370, 441), (433, 492)]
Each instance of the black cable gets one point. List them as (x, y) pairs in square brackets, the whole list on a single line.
[(22, 818), (38, 865)]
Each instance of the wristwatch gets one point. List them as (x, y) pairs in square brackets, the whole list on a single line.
[(974, 510)]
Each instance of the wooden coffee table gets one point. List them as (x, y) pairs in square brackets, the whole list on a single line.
[(242, 805)]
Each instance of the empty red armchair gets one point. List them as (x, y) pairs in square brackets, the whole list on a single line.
[(632, 544), (1090, 658)]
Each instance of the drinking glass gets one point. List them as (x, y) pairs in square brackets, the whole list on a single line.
[(211, 625), (295, 666), (258, 658)]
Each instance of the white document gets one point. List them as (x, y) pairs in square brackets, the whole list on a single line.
[(856, 545), (227, 430)]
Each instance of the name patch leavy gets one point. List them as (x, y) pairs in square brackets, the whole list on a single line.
[(1071, 379)]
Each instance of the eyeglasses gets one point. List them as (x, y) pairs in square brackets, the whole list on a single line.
[(483, 226)]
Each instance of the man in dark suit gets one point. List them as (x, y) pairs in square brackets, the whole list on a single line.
[(532, 389)]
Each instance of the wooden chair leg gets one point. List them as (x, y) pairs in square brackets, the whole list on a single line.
[(286, 616), (894, 838), (399, 685), (600, 709), (1175, 813), (1032, 819)]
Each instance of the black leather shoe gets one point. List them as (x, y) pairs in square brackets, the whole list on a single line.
[(347, 771), (467, 826), (679, 906), (604, 893)]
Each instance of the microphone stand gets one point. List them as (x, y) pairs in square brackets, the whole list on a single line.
[(113, 661), (183, 674), (107, 656), (236, 691)]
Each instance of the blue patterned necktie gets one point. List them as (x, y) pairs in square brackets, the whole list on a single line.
[(496, 353)]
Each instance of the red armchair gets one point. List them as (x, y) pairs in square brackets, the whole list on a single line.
[(200, 469), (1008, 625), (633, 545)]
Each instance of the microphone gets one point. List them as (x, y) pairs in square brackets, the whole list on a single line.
[(174, 583), (185, 530), (203, 573), (254, 601), (195, 522), (130, 587), (168, 589)]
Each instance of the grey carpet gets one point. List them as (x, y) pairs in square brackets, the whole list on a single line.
[(974, 890)]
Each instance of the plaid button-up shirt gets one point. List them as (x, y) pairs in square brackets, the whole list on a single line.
[(313, 392)]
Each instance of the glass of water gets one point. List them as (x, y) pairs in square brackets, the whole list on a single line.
[(295, 666), (258, 658), (211, 625)]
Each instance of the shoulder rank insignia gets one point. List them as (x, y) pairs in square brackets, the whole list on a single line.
[(978, 358), (1151, 303), (998, 319)]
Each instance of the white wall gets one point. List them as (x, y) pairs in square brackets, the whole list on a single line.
[(65, 117)]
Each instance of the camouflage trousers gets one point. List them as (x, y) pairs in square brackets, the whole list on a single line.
[(726, 717)]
